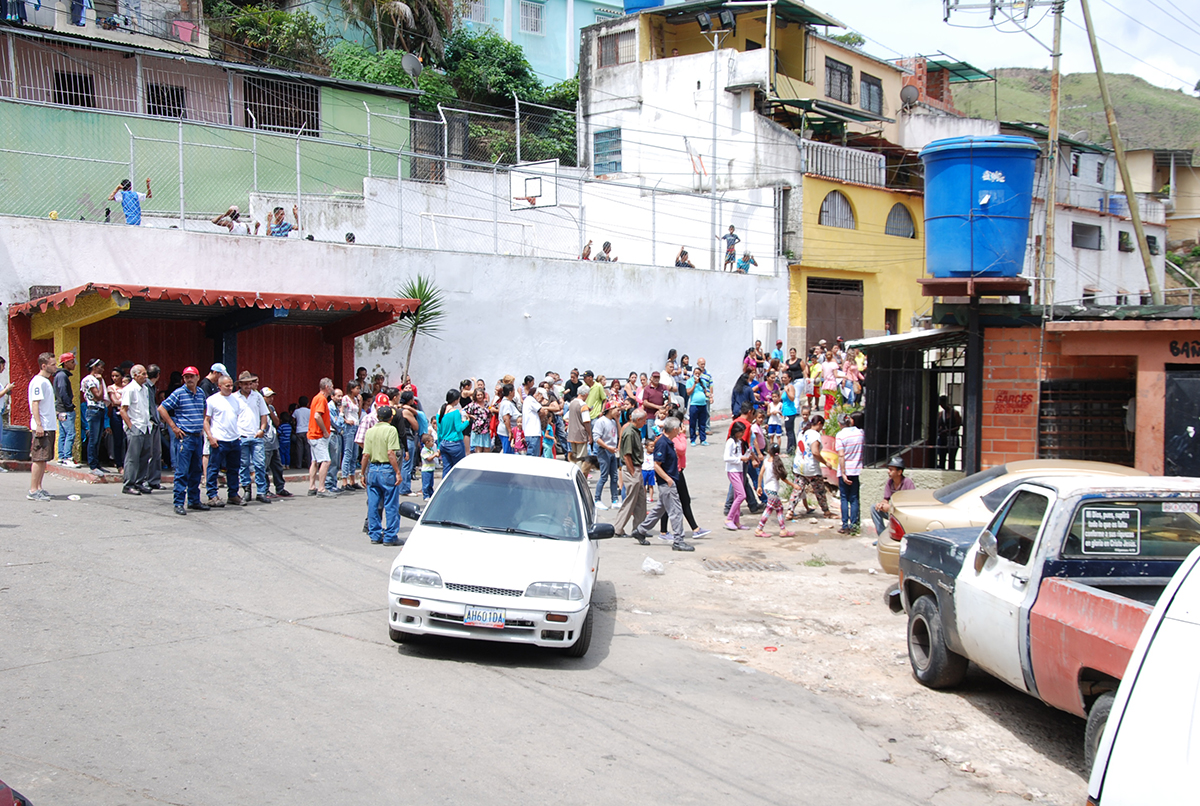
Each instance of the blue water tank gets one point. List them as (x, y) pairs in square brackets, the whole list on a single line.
[(634, 6), (978, 195)]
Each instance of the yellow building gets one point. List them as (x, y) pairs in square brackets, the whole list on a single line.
[(862, 252), (1170, 175)]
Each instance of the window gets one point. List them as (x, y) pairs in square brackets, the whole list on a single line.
[(531, 17), (1145, 298), (1152, 244), (1074, 164), (1100, 171), (1149, 529), (618, 48), (900, 223), (75, 89), (1089, 294), (1122, 297), (870, 93), (1086, 236), (836, 211), (166, 101), (1019, 527), (475, 11), (606, 152), (891, 321), (752, 45), (837, 80), (283, 106), (1124, 241)]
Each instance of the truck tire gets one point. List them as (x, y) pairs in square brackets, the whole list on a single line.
[(1097, 718), (933, 663)]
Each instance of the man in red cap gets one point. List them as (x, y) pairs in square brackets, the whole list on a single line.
[(183, 414), (64, 409)]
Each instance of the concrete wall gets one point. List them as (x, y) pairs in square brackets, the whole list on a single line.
[(873, 479), (919, 130), (506, 314)]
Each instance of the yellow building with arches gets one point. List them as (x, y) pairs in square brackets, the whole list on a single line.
[(862, 250)]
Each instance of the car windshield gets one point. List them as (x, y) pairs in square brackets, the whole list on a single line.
[(965, 485), (506, 503)]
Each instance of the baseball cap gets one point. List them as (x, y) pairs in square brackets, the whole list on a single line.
[(609, 405), (822, 341), (589, 374), (382, 400), (267, 391), (779, 341), (655, 374), (190, 371), (218, 367), (65, 357)]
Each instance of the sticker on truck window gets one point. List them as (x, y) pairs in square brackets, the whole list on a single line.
[(1186, 507), (1112, 530)]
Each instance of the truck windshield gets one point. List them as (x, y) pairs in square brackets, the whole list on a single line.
[(1142, 529)]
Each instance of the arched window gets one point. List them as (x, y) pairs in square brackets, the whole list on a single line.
[(900, 223), (836, 211)]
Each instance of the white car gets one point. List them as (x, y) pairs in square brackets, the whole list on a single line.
[(504, 551)]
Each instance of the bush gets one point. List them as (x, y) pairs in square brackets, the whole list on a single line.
[(1176, 259), (290, 40), (353, 62)]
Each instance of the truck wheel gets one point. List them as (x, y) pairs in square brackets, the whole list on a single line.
[(933, 664), (1097, 718)]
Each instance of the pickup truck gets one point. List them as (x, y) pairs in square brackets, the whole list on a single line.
[(1052, 595)]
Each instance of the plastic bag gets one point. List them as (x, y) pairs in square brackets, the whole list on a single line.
[(653, 567)]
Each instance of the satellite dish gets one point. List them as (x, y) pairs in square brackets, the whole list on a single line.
[(909, 94), (412, 65), (1080, 136)]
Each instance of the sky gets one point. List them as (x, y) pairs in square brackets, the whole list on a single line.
[(1160, 38)]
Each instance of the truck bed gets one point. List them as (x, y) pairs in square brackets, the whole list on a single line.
[(1075, 627)]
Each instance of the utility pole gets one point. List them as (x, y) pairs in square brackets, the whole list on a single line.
[(1114, 135), (1046, 287)]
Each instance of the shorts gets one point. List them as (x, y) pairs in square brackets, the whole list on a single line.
[(319, 448), (42, 448), (775, 430), (483, 440), (648, 477), (578, 452)]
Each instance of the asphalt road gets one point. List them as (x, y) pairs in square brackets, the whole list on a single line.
[(242, 656)]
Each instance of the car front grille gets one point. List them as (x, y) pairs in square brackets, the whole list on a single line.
[(454, 586)]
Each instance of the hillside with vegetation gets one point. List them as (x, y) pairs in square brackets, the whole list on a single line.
[(1148, 116)]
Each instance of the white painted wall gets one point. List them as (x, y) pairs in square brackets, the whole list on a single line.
[(919, 130), (612, 318)]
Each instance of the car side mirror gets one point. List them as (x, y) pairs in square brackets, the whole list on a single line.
[(601, 531), (987, 548), (410, 510)]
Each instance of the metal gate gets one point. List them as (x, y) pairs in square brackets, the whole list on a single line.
[(835, 308), (1181, 423), (1085, 420)]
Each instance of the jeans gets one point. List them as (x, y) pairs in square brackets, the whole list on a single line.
[(228, 454), (253, 458), (849, 494), (608, 470), (426, 484), (137, 458), (506, 445), (406, 469), (698, 423), (274, 464), (383, 498), (349, 454), (187, 468), (880, 519), (452, 454), (94, 423), (533, 446), (335, 461), (66, 435)]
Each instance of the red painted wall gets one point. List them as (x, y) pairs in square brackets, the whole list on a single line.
[(291, 359)]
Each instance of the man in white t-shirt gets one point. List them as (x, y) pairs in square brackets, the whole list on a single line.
[(253, 424), (43, 422), (221, 431), (531, 421), (135, 412)]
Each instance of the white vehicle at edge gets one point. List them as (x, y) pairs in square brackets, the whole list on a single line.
[(504, 551)]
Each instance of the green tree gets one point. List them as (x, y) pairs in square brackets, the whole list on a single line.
[(851, 39), (417, 26), (429, 317), (485, 69), (352, 61), (263, 34)]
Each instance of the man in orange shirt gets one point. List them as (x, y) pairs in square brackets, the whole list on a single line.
[(318, 441)]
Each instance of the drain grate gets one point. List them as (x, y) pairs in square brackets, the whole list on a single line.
[(741, 565)]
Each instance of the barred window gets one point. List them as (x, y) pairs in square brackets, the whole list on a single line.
[(531, 17), (837, 80), (166, 101), (475, 11), (606, 152), (283, 106), (836, 211), (870, 93), (900, 222), (618, 48), (74, 89)]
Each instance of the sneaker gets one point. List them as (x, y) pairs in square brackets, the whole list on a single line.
[(326, 494), (68, 463), (601, 505), (703, 444), (692, 442), (236, 501), (199, 507), (180, 511), (666, 538), (679, 545), (701, 533), (641, 538), (215, 502), (96, 471), (616, 503)]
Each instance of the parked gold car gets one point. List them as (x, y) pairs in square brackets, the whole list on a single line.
[(970, 501)]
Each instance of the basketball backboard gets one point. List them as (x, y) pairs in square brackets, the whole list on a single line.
[(533, 184)]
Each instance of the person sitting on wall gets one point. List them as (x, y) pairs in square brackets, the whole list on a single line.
[(231, 219), (586, 254), (896, 482), (747, 260), (606, 255), (681, 260)]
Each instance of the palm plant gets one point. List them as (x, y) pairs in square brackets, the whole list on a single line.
[(418, 26), (429, 317)]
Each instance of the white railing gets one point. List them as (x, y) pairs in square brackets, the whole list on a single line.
[(846, 164)]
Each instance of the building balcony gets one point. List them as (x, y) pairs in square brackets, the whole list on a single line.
[(176, 25)]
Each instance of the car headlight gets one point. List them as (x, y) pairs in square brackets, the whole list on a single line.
[(555, 590), (416, 576)]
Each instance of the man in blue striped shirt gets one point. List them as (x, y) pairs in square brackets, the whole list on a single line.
[(183, 413)]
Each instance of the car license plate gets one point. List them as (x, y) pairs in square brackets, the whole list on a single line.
[(484, 617)]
